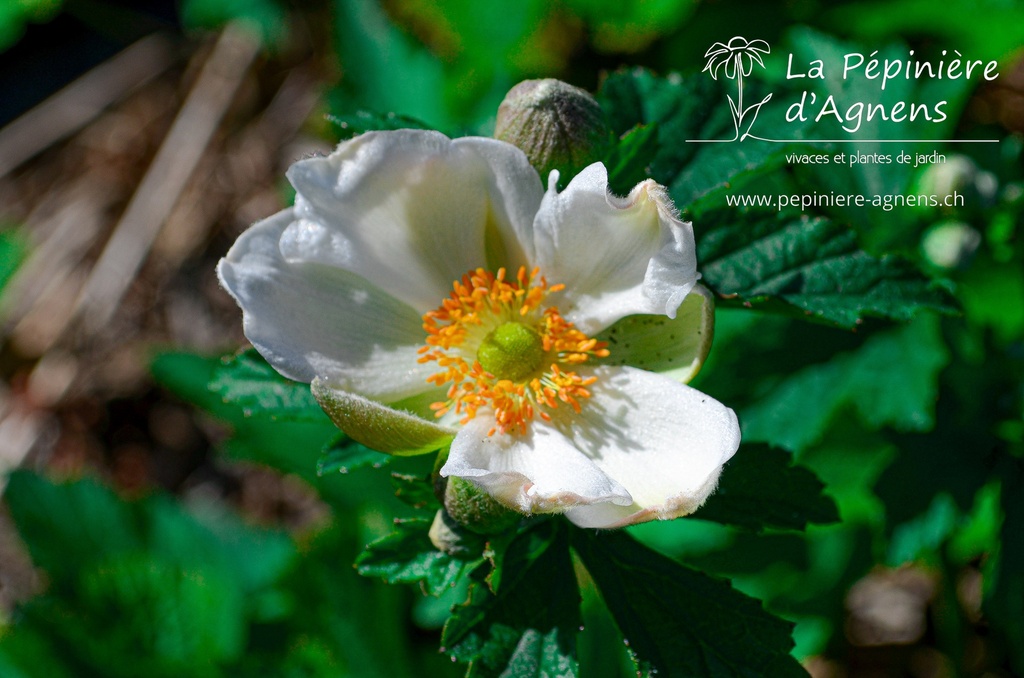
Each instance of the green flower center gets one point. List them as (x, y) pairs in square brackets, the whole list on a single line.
[(511, 351)]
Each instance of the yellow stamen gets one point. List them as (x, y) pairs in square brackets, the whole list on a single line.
[(487, 317)]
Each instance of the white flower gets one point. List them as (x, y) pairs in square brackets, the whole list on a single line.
[(432, 292)]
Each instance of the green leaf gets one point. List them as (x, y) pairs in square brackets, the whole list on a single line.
[(102, 526), (813, 266), (266, 17), (628, 159), (891, 380), (680, 622), (247, 380), (343, 454), (154, 610), (760, 488), (385, 68), (414, 490), (683, 108), (408, 556), (528, 629), (348, 125), (13, 251)]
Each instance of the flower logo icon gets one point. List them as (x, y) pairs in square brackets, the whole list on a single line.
[(736, 60)]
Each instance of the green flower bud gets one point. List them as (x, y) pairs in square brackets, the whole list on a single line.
[(476, 510), (444, 535), (557, 125)]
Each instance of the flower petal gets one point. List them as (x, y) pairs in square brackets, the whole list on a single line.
[(759, 46), (541, 471), (663, 441), (673, 348), (730, 67), (618, 256), (307, 319), (508, 234), (716, 48), (379, 427), (411, 210)]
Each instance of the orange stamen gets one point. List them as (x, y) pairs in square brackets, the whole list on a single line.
[(479, 302)]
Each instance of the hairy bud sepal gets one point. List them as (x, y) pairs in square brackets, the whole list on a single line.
[(557, 125), (476, 510)]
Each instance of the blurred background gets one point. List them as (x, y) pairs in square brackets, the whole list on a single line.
[(154, 530)]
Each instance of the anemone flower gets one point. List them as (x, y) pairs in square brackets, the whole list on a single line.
[(434, 294)]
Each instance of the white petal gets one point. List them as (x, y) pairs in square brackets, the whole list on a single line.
[(617, 256), (513, 203), (312, 320), (379, 427), (534, 473), (663, 441), (673, 348), (411, 210)]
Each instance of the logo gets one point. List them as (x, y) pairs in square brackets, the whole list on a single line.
[(736, 61), (862, 104)]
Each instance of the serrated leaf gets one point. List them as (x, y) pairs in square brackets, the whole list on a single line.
[(680, 622), (343, 454), (528, 629), (682, 108), (813, 265), (760, 488), (348, 125), (407, 556), (416, 491), (248, 381), (892, 380)]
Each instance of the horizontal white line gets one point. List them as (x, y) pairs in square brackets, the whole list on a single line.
[(851, 141)]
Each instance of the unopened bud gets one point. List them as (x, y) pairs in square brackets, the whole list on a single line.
[(951, 244), (476, 510), (557, 125), (444, 535), (958, 176)]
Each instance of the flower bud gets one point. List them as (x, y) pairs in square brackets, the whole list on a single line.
[(557, 125), (951, 244), (476, 510), (958, 175), (444, 535)]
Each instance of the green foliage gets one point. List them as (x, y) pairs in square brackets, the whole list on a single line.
[(343, 454), (267, 18), (813, 265), (680, 622), (761, 488), (686, 107), (909, 428), (1005, 599), (176, 592), (353, 124), (527, 626), (246, 380), (891, 380), (628, 158), (385, 69), (13, 251), (15, 15), (416, 491), (407, 556)]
